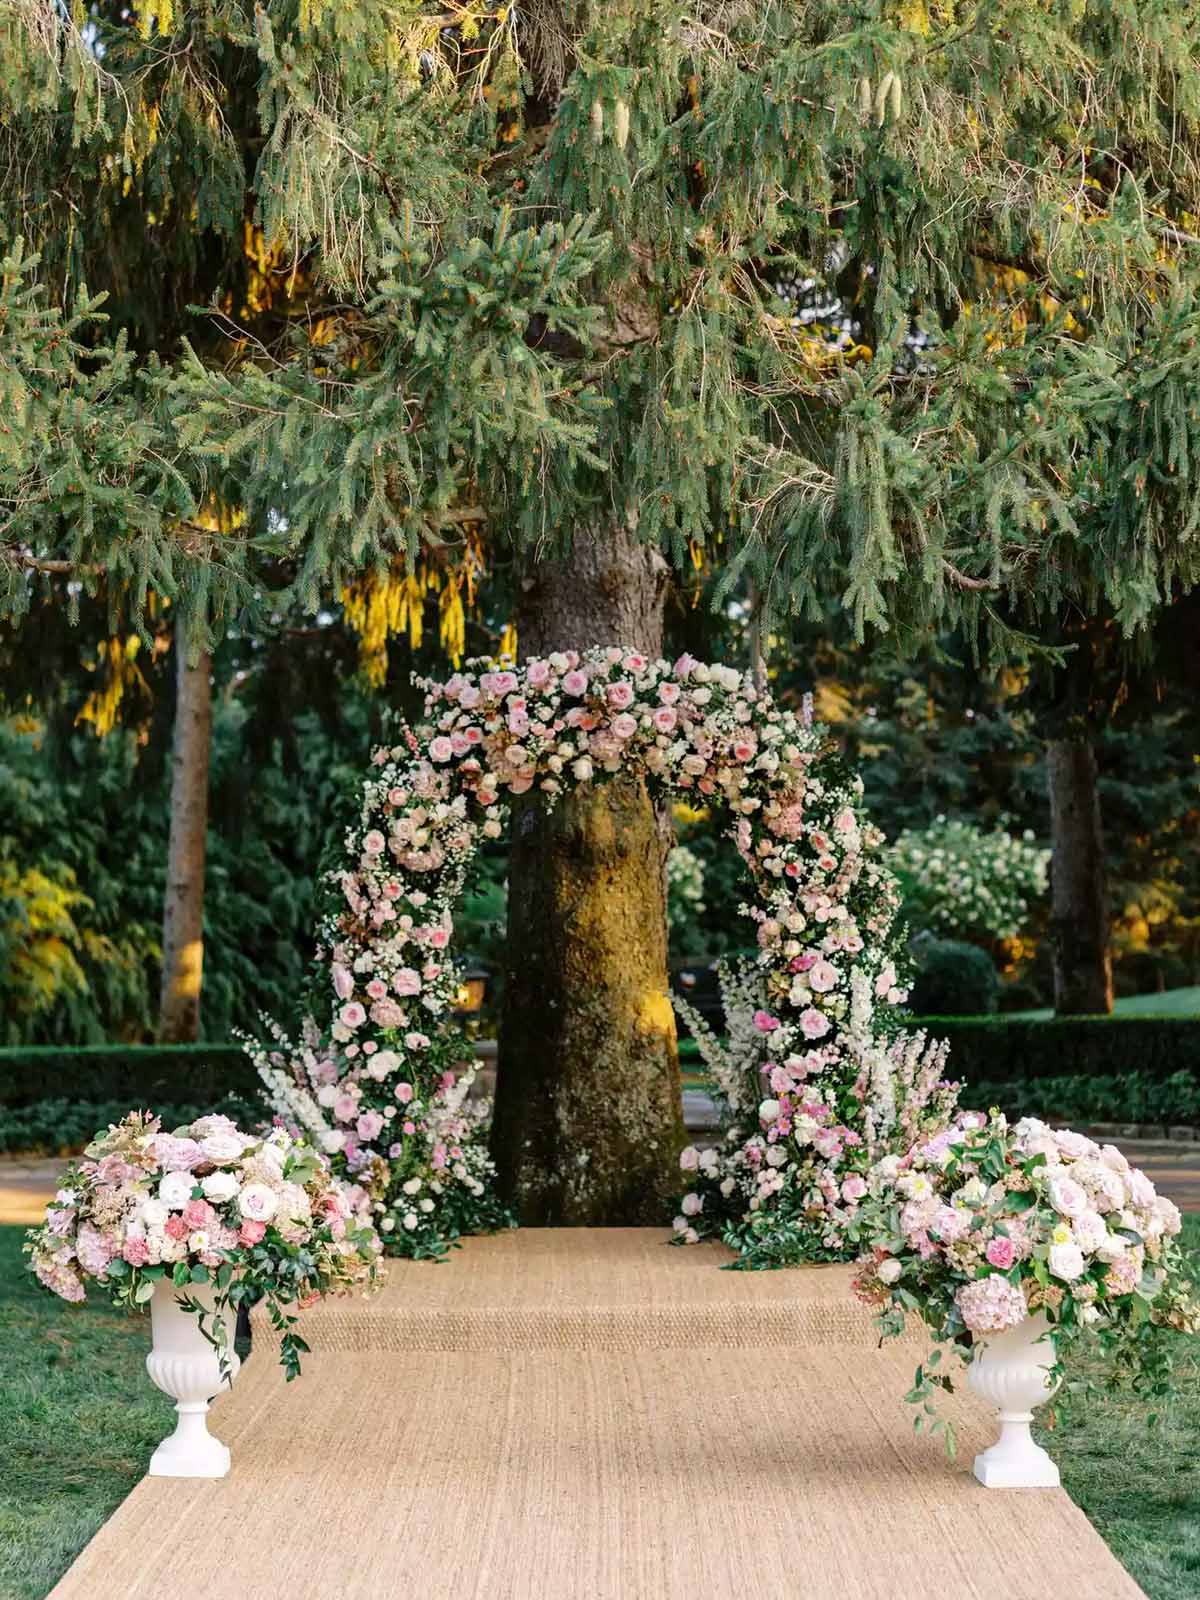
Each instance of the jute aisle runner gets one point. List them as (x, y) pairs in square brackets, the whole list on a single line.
[(588, 1415)]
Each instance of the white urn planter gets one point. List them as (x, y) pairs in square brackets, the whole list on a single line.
[(184, 1365), (1010, 1371)]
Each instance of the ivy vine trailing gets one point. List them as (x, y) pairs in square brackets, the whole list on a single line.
[(813, 1088)]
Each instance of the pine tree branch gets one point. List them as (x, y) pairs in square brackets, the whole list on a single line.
[(961, 581)]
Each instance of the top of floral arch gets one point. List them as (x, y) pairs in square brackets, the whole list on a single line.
[(822, 898)]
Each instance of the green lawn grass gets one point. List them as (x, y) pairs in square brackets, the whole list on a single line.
[(1141, 1485), (79, 1418), (1171, 1003)]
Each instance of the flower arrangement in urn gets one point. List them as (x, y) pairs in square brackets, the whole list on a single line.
[(1012, 1244), (197, 1223)]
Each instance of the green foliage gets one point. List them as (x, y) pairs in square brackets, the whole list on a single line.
[(984, 411), (953, 978), (993, 1050), (1095, 1097)]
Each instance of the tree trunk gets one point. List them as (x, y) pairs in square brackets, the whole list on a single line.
[(183, 911), (1079, 913), (589, 1120)]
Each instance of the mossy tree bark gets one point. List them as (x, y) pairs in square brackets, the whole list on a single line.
[(588, 1120), (1079, 907), (183, 911)]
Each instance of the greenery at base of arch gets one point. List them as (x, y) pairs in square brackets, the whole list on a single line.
[(813, 1080)]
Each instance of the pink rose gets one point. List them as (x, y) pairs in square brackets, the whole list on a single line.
[(765, 1022), (369, 1126), (814, 1024), (440, 749), (853, 1188), (624, 726), (575, 683), (252, 1232), (665, 717), (352, 1015), (1001, 1252), (404, 1093), (407, 981), (377, 988), (176, 1228), (537, 673), (619, 695), (374, 844)]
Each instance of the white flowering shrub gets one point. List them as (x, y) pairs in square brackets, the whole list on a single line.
[(968, 882)]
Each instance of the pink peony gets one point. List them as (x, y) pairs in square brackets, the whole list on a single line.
[(765, 1022), (136, 1252), (198, 1214), (1001, 1252)]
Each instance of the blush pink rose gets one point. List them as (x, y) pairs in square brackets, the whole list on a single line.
[(624, 726), (765, 1022), (814, 1024), (665, 718), (619, 695), (407, 981), (575, 683), (252, 1232)]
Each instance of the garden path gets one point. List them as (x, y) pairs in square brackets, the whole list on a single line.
[(631, 1424)]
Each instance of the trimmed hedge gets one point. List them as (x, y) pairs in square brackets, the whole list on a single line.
[(1000, 1050), (64, 1127), (137, 1075), (1095, 1097)]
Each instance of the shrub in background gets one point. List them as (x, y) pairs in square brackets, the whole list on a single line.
[(954, 979), (970, 882)]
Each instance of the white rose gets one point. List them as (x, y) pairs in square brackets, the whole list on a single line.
[(410, 1221), (176, 1189), (327, 1094), (691, 1205), (582, 769), (332, 1139), (381, 1064), (222, 1146), (1066, 1261), (769, 1110), (153, 1212), (413, 1186), (889, 1271), (426, 1206), (220, 1186), (257, 1203)]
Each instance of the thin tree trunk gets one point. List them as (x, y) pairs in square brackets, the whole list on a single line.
[(1079, 908), (183, 910), (588, 1120)]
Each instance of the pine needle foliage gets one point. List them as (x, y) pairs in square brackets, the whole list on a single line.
[(541, 262)]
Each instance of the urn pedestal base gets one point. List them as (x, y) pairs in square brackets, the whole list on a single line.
[(184, 1365), (1011, 1372)]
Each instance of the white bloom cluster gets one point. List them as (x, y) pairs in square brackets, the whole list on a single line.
[(967, 881)]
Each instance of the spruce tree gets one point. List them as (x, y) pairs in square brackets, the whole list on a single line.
[(895, 305)]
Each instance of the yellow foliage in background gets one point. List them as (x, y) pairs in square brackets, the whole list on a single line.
[(38, 937), (384, 605), (116, 662)]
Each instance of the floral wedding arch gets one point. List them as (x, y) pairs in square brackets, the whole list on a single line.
[(816, 1081)]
